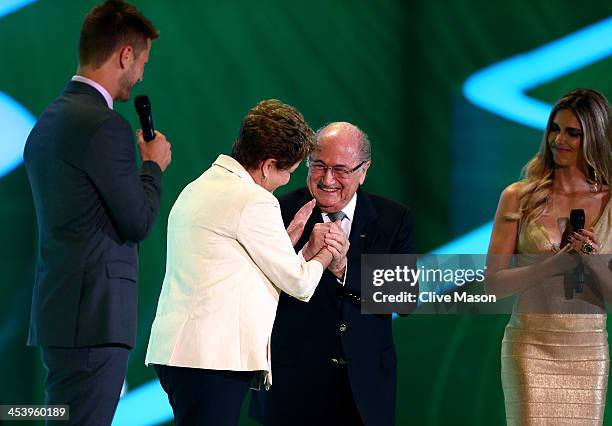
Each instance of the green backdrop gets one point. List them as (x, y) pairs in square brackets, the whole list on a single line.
[(395, 68)]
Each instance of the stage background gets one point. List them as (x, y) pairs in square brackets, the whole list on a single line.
[(395, 68)]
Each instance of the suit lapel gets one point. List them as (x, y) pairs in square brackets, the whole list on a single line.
[(362, 233), (360, 229)]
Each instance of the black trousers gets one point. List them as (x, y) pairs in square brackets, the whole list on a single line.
[(88, 379), (204, 397), (326, 399)]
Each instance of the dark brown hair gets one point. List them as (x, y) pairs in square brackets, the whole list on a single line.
[(275, 130), (109, 25)]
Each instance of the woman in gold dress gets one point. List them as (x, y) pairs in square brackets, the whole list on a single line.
[(555, 361)]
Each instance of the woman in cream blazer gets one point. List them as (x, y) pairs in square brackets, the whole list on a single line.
[(229, 256)]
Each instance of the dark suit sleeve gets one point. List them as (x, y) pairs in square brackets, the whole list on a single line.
[(131, 196), (402, 243)]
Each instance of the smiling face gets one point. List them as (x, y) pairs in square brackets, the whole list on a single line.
[(565, 138), (338, 146)]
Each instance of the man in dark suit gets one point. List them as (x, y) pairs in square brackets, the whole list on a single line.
[(93, 206), (331, 364)]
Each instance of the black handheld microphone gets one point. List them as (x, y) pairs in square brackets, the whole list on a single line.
[(577, 220), (143, 108)]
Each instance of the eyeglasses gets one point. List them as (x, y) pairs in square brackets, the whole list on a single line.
[(338, 172)]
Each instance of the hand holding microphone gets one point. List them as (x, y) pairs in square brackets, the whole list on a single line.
[(577, 219), (153, 145), (584, 242)]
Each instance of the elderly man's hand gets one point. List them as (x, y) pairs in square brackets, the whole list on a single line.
[(296, 227), (338, 244), (316, 242)]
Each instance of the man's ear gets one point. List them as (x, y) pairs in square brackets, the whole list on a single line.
[(364, 171), (126, 54)]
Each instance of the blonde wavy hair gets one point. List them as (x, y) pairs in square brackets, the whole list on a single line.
[(595, 116)]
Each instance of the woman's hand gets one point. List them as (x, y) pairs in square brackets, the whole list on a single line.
[(598, 265), (586, 244), (562, 262), (296, 227)]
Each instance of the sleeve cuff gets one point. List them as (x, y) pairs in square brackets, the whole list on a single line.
[(151, 168), (343, 280), (316, 269)]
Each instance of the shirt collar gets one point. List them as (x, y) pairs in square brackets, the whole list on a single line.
[(107, 97), (349, 209)]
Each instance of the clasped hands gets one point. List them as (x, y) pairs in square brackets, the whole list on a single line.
[(325, 236)]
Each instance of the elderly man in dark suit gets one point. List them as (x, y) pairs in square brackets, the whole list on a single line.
[(333, 365), (93, 206)]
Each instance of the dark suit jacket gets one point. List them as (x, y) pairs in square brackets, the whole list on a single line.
[(307, 335), (92, 205)]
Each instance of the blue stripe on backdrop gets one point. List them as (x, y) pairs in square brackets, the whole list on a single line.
[(500, 88), (15, 121), (10, 6)]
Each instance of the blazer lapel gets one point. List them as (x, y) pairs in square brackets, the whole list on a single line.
[(362, 233), (360, 229)]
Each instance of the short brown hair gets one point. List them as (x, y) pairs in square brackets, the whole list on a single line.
[(108, 26), (275, 130)]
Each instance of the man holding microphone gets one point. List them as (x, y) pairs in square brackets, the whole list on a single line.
[(93, 206)]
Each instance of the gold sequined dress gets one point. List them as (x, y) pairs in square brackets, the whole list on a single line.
[(554, 365)]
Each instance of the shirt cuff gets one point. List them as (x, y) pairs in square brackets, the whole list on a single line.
[(343, 280)]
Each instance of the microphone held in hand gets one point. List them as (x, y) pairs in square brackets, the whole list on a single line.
[(577, 220), (143, 108)]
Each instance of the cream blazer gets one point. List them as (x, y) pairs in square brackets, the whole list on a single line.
[(228, 258)]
